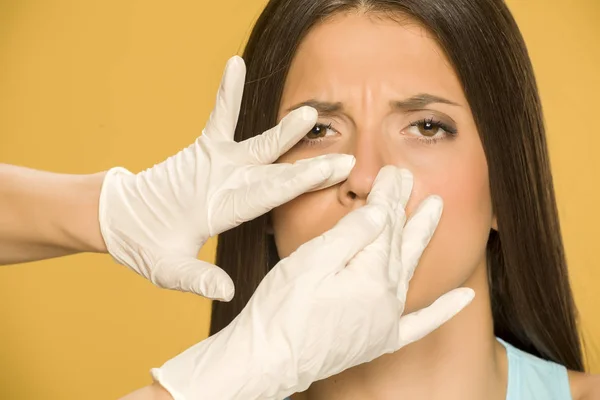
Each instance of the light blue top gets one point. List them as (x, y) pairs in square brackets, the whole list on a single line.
[(532, 378)]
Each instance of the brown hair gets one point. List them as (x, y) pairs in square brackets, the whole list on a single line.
[(532, 303)]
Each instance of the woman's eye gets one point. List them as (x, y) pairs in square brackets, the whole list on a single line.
[(426, 128), (320, 131), (318, 135), (430, 131)]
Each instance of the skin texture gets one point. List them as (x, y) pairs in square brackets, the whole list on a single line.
[(62, 208), (150, 392), (366, 62)]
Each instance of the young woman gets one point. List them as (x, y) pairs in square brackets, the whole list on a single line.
[(444, 88)]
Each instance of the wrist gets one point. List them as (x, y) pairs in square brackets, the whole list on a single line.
[(152, 392), (83, 228), (159, 392)]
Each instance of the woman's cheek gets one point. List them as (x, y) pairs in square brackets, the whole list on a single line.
[(305, 218), (425, 183), (458, 244)]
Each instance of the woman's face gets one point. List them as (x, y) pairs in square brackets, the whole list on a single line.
[(386, 93)]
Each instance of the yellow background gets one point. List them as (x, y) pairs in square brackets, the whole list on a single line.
[(86, 85)]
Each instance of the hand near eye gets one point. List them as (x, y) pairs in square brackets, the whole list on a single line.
[(336, 302), (155, 222)]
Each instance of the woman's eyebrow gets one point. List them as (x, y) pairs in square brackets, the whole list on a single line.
[(419, 101), (323, 107), (415, 102)]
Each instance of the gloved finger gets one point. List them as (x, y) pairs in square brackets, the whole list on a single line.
[(391, 187), (332, 251), (419, 324), (387, 191), (269, 146), (373, 260), (224, 117), (416, 236), (395, 263), (286, 183), (341, 164), (193, 275)]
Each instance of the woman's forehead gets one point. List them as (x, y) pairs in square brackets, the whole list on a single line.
[(353, 53)]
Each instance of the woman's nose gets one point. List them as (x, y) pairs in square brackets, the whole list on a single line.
[(354, 191)]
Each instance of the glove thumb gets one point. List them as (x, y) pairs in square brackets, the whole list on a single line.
[(194, 276), (418, 324)]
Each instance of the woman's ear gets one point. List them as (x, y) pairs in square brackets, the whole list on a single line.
[(495, 223)]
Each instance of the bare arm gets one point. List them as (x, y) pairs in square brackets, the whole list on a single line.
[(45, 215), (152, 392), (584, 386)]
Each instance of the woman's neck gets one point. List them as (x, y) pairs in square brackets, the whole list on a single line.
[(460, 360)]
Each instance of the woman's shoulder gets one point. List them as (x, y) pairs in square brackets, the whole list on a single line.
[(531, 377), (584, 386)]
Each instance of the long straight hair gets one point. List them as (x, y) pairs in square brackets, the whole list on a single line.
[(532, 303)]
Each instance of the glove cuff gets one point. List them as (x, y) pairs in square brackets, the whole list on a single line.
[(158, 376), (110, 184)]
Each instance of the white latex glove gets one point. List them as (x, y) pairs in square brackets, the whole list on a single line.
[(155, 222), (334, 303)]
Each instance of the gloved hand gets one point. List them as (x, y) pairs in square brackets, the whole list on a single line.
[(334, 303), (155, 222)]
